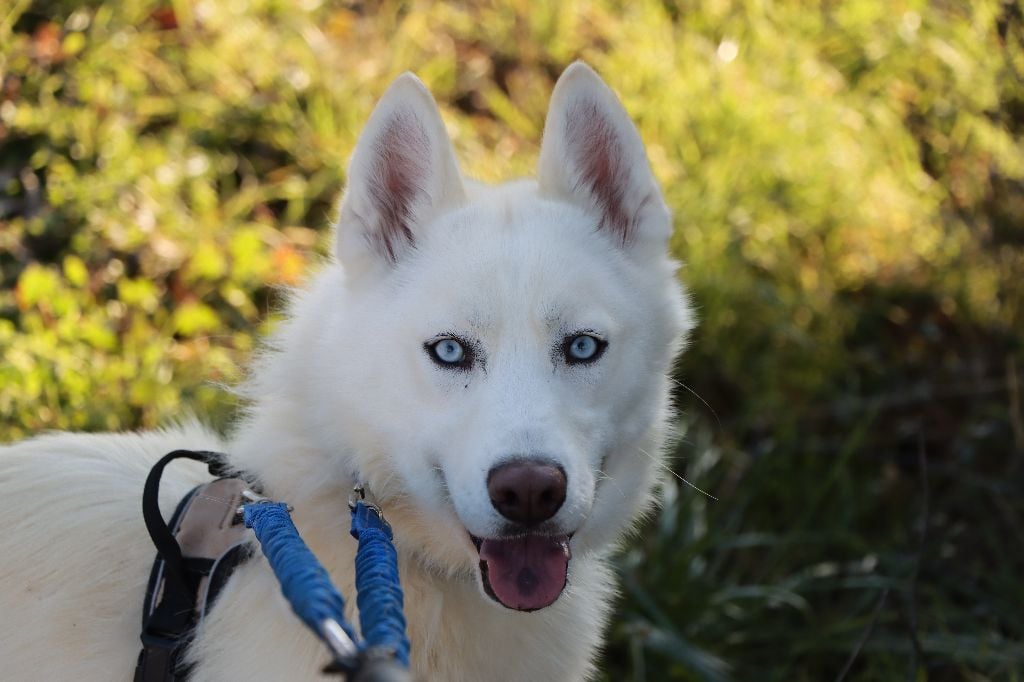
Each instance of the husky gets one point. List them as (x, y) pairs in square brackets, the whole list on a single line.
[(492, 362)]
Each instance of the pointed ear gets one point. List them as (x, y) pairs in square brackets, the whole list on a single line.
[(403, 173), (592, 155)]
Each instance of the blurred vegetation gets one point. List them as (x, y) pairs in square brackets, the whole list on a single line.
[(848, 180)]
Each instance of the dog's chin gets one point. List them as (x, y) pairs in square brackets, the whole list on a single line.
[(525, 572)]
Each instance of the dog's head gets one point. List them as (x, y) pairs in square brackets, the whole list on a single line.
[(500, 372)]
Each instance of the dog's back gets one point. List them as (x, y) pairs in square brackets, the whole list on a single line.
[(76, 555)]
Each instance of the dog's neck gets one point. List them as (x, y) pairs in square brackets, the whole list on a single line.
[(444, 606)]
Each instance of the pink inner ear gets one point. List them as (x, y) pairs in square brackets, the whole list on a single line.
[(596, 154), (401, 154)]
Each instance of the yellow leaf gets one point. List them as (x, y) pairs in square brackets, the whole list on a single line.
[(75, 271)]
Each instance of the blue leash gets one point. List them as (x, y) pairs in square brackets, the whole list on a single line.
[(319, 605), (378, 590)]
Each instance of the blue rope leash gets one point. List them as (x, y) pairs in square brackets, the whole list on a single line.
[(316, 601), (379, 591), (304, 582)]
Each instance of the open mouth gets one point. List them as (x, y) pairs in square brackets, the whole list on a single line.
[(524, 572)]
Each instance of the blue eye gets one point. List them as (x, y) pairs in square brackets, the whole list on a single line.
[(583, 348), (449, 352)]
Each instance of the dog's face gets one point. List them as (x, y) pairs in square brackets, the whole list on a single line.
[(504, 351)]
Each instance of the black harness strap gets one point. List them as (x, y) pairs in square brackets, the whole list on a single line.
[(174, 598)]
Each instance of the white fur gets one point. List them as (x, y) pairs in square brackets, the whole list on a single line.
[(348, 388)]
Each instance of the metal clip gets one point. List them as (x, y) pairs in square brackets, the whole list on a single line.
[(358, 494), (253, 498), (337, 639)]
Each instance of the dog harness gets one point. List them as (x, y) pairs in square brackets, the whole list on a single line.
[(207, 539), (196, 553)]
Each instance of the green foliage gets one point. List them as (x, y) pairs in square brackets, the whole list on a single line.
[(848, 181)]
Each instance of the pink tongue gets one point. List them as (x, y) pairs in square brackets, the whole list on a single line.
[(526, 573)]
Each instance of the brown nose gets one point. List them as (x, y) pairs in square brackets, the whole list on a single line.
[(527, 492)]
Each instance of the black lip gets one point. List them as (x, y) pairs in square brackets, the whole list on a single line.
[(488, 590), (486, 580)]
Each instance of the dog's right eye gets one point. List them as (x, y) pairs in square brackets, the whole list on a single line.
[(450, 353)]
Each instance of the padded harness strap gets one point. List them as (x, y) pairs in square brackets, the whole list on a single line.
[(196, 554)]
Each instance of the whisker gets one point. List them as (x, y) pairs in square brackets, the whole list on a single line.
[(697, 396), (604, 476), (666, 468), (395, 495)]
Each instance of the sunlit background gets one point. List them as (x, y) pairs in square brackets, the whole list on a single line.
[(848, 184)]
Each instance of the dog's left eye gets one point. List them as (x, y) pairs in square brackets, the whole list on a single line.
[(583, 348), (450, 352)]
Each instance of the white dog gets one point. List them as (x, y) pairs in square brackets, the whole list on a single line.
[(493, 362)]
